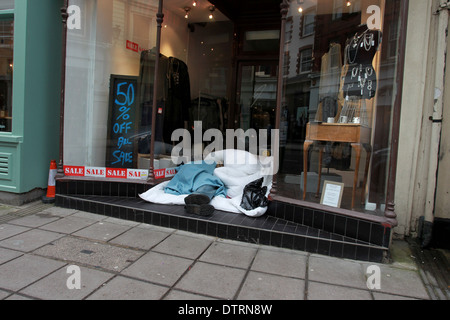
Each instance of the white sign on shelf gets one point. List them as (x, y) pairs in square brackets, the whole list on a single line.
[(332, 194)]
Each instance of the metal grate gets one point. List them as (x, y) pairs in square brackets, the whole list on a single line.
[(33, 209)]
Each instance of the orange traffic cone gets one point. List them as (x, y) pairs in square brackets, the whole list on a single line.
[(51, 190)]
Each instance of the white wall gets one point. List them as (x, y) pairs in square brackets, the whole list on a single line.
[(413, 177)]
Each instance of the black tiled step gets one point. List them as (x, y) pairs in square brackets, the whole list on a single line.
[(366, 230), (266, 230), (373, 232)]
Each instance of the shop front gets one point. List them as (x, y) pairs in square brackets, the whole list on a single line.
[(314, 84), (29, 96)]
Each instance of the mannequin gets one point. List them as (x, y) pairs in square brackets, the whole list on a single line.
[(361, 79)]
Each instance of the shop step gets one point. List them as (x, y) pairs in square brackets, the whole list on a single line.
[(266, 230)]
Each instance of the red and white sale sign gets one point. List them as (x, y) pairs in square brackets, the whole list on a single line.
[(133, 46), (117, 173)]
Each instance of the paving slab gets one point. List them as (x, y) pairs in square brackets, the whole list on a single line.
[(7, 254), (229, 255), (158, 268), (88, 215), (281, 262), (140, 237), (68, 225), (336, 271), (122, 288), (389, 297), (54, 286), (183, 246), (102, 231), (23, 271), (85, 252), (263, 286), (122, 222), (18, 297), (35, 220), (60, 212), (9, 230), (402, 282), (212, 280), (30, 240), (326, 291), (3, 294)]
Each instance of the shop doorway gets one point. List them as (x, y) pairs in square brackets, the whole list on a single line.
[(256, 97)]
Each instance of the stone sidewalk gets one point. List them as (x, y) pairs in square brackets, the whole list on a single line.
[(116, 259)]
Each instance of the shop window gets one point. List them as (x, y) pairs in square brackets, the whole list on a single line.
[(338, 106), (110, 77), (6, 71), (338, 92)]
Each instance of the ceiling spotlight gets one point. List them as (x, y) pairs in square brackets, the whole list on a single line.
[(211, 9), (349, 3), (187, 10), (194, 4)]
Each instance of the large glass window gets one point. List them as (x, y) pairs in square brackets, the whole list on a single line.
[(6, 71), (338, 106), (111, 73), (337, 99)]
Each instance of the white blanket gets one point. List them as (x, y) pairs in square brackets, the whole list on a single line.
[(239, 169)]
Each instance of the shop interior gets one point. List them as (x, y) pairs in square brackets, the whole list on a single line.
[(218, 64)]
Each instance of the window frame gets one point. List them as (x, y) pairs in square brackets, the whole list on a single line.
[(301, 62), (8, 14)]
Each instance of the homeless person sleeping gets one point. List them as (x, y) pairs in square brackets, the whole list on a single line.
[(240, 184)]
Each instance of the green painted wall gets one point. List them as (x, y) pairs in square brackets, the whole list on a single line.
[(34, 140)]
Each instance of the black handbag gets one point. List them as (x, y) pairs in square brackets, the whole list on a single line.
[(254, 195)]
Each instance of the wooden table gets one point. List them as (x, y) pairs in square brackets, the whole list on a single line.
[(355, 134)]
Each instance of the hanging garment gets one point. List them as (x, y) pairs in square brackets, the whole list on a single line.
[(173, 95), (176, 110)]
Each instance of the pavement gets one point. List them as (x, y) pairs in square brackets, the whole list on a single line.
[(52, 253)]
